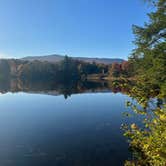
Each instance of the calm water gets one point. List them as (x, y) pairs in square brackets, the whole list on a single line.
[(49, 130)]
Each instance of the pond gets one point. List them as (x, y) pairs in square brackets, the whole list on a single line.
[(39, 128)]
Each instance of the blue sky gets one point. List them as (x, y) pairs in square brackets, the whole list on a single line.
[(90, 28)]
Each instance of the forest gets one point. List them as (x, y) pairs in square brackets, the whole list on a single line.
[(68, 69)]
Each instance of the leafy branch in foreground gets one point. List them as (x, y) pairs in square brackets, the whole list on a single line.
[(148, 144)]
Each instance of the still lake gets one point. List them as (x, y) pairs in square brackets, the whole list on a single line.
[(39, 129)]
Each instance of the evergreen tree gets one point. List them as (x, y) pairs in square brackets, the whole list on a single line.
[(149, 57)]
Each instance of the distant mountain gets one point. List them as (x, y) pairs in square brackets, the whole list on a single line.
[(57, 58), (49, 58)]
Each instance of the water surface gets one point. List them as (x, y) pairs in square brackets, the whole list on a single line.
[(82, 130)]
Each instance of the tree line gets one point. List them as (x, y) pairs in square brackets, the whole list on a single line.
[(67, 69)]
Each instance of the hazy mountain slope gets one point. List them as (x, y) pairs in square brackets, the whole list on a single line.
[(49, 58), (57, 58)]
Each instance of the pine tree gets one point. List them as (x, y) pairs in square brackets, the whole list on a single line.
[(149, 56)]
